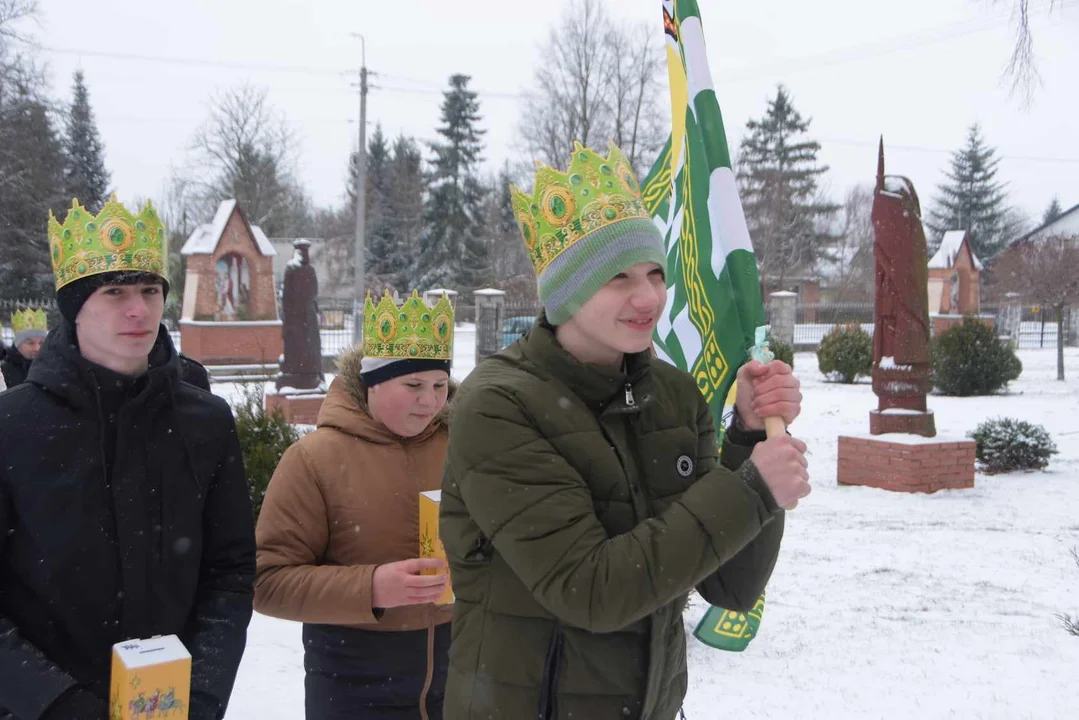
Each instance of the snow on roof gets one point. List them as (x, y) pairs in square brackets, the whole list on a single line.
[(265, 246), (204, 239), (1066, 224), (949, 249)]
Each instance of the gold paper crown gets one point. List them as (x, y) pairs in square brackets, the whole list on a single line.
[(23, 320), (112, 241), (411, 331), (564, 207)]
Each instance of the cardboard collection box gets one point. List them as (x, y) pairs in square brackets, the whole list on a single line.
[(430, 542), (150, 679)]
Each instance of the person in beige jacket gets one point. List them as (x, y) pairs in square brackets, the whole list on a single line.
[(338, 534)]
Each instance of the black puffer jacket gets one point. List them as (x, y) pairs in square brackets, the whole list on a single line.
[(124, 513), (14, 366)]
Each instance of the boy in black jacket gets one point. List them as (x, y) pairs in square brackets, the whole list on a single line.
[(124, 510)]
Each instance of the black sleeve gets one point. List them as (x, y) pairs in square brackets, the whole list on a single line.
[(217, 631), (29, 681)]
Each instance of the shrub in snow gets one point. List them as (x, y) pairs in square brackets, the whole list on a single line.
[(846, 353), (264, 437), (782, 351), (1006, 445), (969, 359), (1071, 624)]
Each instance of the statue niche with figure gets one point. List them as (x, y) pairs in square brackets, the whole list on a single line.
[(232, 285)]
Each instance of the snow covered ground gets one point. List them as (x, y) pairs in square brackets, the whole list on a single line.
[(882, 605)]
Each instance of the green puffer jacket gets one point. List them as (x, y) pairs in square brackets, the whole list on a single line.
[(579, 507)]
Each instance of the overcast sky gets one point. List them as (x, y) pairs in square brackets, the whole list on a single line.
[(919, 72)]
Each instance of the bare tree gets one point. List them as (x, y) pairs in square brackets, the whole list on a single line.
[(11, 12), (850, 261), (1047, 272), (599, 81), (246, 150), (640, 119), (1022, 68)]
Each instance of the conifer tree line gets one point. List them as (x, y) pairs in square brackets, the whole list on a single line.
[(437, 213)]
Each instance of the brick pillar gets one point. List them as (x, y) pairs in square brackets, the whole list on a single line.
[(781, 313), (490, 308)]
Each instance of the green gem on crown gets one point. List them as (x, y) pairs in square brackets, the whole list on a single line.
[(412, 330)]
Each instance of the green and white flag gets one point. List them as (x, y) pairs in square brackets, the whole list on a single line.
[(714, 301)]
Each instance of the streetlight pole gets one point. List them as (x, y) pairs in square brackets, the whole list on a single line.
[(359, 259)]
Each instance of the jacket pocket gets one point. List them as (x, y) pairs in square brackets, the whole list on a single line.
[(552, 669)]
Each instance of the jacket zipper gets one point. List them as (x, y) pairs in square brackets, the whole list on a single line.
[(630, 402), (552, 667)]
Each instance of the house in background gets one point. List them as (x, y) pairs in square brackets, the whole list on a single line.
[(1066, 225)]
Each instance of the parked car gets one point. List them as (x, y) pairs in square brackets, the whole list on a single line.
[(516, 326)]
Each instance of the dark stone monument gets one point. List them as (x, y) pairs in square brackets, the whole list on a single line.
[(301, 367), (901, 334)]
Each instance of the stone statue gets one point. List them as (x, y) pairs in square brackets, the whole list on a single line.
[(302, 364), (901, 332)]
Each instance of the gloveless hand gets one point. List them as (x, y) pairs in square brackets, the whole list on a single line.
[(766, 391), (400, 583)]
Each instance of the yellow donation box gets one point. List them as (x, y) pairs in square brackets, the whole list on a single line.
[(430, 542), (151, 679)]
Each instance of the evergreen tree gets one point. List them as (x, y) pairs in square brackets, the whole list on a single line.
[(508, 256), (31, 184), (1052, 212), (454, 249), (405, 209), (973, 200), (85, 175), (788, 219), (384, 260)]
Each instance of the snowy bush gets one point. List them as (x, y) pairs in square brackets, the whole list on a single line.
[(846, 353), (264, 437), (969, 359), (1071, 624), (1006, 445), (782, 351)]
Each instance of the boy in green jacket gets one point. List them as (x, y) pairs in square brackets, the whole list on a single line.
[(584, 496)]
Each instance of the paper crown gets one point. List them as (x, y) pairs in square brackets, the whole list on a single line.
[(113, 240), (23, 320), (564, 207), (411, 331)]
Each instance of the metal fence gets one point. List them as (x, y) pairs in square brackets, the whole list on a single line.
[(813, 321), (335, 321), (1037, 326), (516, 321)]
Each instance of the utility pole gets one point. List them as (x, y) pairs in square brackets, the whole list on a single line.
[(359, 259)]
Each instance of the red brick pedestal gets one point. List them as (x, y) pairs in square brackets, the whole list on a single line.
[(232, 343), (906, 463), (299, 407)]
